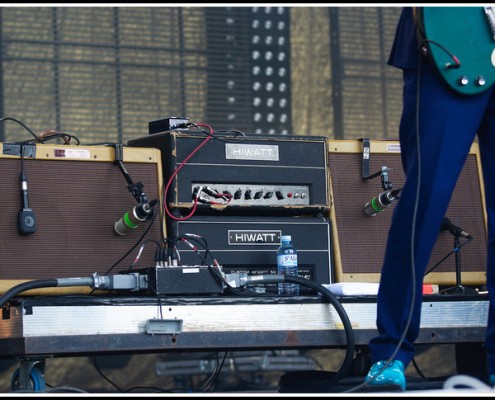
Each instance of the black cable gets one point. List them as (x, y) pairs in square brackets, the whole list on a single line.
[(241, 138), (346, 364), (418, 371), (217, 275), (24, 126), (95, 364), (456, 64), (209, 383), (22, 287), (151, 220), (200, 241), (66, 136)]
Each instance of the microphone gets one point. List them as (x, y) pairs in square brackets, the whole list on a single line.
[(26, 220), (380, 202), (132, 218), (455, 230)]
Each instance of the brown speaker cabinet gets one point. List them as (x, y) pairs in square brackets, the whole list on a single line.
[(359, 240), (76, 193)]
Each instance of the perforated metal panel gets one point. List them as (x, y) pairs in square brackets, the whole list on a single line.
[(102, 73)]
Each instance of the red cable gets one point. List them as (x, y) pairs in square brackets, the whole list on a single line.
[(209, 137)]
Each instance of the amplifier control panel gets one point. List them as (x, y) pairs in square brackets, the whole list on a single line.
[(249, 194)]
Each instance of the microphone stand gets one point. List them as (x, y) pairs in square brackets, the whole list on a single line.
[(458, 288)]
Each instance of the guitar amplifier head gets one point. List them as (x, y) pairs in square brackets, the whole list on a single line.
[(248, 244), (76, 194), (359, 240), (259, 174)]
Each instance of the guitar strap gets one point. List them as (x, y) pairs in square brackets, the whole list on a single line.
[(418, 19)]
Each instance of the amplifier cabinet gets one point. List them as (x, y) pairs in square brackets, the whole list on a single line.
[(77, 194), (359, 239), (248, 244), (263, 174)]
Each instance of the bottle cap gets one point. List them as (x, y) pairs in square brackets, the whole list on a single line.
[(286, 237)]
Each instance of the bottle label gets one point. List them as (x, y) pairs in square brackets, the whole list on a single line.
[(287, 260)]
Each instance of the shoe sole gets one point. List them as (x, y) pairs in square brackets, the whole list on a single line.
[(381, 388)]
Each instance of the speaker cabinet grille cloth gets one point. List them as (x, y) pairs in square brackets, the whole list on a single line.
[(76, 194), (359, 240)]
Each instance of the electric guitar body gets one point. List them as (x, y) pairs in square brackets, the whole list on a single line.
[(461, 43)]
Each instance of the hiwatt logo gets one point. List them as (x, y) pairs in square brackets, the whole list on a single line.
[(234, 151), (254, 237)]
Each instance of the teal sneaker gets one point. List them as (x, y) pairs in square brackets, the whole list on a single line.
[(390, 378), (492, 380)]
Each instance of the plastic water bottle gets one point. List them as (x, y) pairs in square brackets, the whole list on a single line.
[(287, 265)]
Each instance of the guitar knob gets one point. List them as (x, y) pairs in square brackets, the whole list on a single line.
[(480, 81), (463, 80)]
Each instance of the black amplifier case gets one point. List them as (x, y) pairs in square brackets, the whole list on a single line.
[(359, 239), (266, 174), (77, 194), (249, 244)]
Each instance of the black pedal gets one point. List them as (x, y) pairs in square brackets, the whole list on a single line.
[(182, 280)]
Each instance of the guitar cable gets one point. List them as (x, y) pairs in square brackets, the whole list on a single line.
[(425, 51), (421, 37)]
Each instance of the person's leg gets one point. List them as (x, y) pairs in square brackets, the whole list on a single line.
[(486, 138), (447, 126)]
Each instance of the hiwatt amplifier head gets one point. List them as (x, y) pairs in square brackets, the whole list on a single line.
[(237, 173), (248, 244)]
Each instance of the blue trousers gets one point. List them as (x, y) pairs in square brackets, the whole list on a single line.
[(447, 124)]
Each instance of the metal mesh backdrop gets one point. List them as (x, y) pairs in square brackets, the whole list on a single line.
[(102, 73)]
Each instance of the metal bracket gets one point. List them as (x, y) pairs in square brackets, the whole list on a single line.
[(163, 326)]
